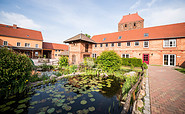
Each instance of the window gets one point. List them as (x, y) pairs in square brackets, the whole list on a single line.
[(27, 44), (119, 37), (125, 56), (106, 44), (36, 53), (94, 55), (95, 45), (112, 44), (37, 45), (59, 50), (146, 35), (137, 43), (18, 44), (86, 47), (119, 44), (104, 39), (55, 54), (125, 25), (134, 24), (146, 44), (5, 43), (169, 43), (128, 43), (55, 50), (28, 35), (101, 45)]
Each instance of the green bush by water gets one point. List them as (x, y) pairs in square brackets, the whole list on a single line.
[(15, 70), (63, 61), (132, 61), (109, 60)]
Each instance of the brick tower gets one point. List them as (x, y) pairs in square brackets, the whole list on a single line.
[(130, 22)]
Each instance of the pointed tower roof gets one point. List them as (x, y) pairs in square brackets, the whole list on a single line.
[(130, 18), (81, 37)]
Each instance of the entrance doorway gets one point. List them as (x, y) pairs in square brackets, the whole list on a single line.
[(146, 58), (169, 60), (73, 59)]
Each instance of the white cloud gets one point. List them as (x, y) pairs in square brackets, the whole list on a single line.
[(11, 18), (135, 5), (151, 3)]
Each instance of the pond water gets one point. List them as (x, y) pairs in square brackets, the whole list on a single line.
[(76, 95)]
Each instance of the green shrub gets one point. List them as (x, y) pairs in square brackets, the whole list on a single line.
[(89, 62), (134, 61), (72, 68), (15, 70), (63, 61), (45, 67), (109, 60), (145, 66)]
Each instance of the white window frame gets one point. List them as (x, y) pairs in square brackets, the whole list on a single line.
[(125, 55), (94, 55), (144, 44), (130, 44), (37, 53), (135, 43), (120, 44), (4, 43), (19, 43), (36, 45), (169, 59), (28, 45), (168, 41), (111, 44)]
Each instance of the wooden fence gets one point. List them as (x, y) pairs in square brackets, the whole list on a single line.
[(132, 93)]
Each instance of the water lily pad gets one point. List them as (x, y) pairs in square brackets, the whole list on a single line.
[(68, 108), (9, 103), (72, 102), (11, 96), (37, 94), (62, 96), (79, 112), (69, 98), (2, 106), (85, 111), (83, 102), (34, 103), (91, 109), (41, 113), (21, 106), (44, 109), (92, 99), (59, 104), (24, 100), (79, 95), (69, 113), (90, 95), (57, 96), (75, 97), (31, 107), (19, 111), (5, 109), (51, 110), (58, 111)]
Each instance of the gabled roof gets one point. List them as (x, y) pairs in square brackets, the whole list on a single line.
[(78, 37), (158, 32), (131, 18), (9, 31), (47, 45)]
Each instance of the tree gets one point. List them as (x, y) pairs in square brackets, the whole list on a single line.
[(109, 60), (88, 35)]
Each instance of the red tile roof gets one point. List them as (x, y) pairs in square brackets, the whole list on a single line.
[(130, 18), (47, 45), (6, 30), (158, 32)]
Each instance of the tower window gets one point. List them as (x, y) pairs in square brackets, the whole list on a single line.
[(125, 25), (146, 35), (119, 37), (134, 24), (104, 39)]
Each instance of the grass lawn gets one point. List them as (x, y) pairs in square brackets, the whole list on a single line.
[(180, 70)]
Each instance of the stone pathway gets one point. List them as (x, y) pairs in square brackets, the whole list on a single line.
[(167, 90)]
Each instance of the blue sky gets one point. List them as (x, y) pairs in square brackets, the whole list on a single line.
[(59, 20)]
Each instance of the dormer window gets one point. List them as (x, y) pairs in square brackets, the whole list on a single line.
[(28, 35), (104, 39), (125, 25), (119, 37), (146, 35)]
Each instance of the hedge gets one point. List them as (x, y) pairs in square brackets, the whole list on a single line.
[(134, 61), (15, 69)]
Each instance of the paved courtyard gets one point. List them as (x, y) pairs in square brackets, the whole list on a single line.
[(167, 90)]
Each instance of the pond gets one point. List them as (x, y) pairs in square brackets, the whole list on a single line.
[(74, 95)]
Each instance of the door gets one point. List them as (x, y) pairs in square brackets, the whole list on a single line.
[(73, 59), (146, 58), (169, 59)]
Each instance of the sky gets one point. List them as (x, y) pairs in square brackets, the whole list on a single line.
[(59, 20)]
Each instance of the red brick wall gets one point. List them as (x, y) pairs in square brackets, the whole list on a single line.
[(130, 26)]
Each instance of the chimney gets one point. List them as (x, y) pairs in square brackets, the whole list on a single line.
[(14, 26)]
